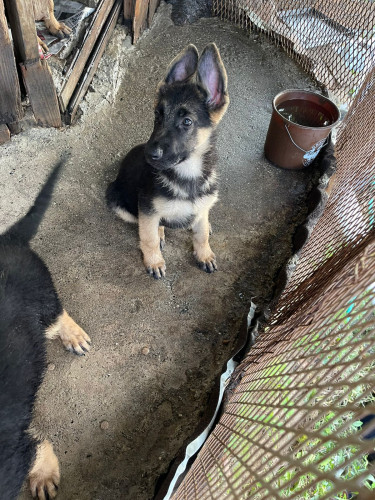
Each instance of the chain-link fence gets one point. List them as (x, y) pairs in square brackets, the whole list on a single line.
[(301, 421)]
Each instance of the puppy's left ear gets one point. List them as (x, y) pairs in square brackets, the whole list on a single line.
[(183, 67), (213, 77)]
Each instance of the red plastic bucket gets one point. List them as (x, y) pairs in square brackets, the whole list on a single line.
[(300, 125)]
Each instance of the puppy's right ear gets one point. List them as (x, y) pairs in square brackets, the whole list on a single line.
[(183, 67)]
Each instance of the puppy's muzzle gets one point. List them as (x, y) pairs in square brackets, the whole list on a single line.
[(154, 154)]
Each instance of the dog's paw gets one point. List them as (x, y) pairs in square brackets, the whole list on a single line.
[(156, 270), (63, 30), (44, 477), (208, 263), (43, 46), (58, 29), (74, 338)]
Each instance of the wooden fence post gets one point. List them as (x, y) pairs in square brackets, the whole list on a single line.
[(10, 94), (79, 60), (144, 11), (140, 18), (128, 9), (36, 73)]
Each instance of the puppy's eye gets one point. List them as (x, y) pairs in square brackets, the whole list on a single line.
[(187, 122)]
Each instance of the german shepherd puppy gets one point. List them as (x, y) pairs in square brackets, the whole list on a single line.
[(171, 180), (30, 312)]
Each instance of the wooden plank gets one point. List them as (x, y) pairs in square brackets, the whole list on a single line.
[(140, 18), (154, 4), (36, 73), (10, 94), (94, 60), (4, 134), (128, 9), (22, 23), (42, 94), (79, 60)]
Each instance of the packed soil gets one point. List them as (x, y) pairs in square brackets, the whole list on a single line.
[(118, 416)]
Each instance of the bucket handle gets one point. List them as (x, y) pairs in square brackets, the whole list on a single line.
[(296, 145)]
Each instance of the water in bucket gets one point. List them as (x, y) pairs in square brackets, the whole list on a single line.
[(304, 113)]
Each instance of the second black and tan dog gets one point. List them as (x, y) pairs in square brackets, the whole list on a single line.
[(171, 180), (30, 312)]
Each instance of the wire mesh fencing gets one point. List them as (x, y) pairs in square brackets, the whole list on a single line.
[(301, 421), (334, 40), (296, 425), (348, 223)]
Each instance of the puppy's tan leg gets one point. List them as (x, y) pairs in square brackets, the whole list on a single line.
[(53, 25), (44, 476), (202, 251), (162, 237), (150, 237), (73, 337)]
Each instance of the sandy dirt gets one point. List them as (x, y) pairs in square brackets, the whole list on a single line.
[(157, 345)]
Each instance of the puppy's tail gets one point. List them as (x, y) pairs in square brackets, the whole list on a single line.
[(26, 228), (111, 196)]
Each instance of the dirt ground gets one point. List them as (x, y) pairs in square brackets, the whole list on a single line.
[(157, 345)]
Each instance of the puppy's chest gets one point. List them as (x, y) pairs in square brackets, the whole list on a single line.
[(182, 213)]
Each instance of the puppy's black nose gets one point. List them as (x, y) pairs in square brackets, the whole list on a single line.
[(156, 153)]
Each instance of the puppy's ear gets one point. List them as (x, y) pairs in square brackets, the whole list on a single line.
[(183, 66), (213, 77)]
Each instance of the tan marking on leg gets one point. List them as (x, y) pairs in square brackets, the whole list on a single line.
[(150, 245), (202, 251), (53, 25), (161, 237), (45, 473), (74, 338)]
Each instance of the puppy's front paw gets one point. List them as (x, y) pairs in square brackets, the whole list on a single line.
[(45, 475), (157, 270), (74, 338), (206, 262)]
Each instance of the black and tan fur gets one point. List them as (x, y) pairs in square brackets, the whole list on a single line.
[(171, 180), (30, 312)]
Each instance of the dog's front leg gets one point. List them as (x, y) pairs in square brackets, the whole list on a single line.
[(202, 251), (53, 25), (150, 237)]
